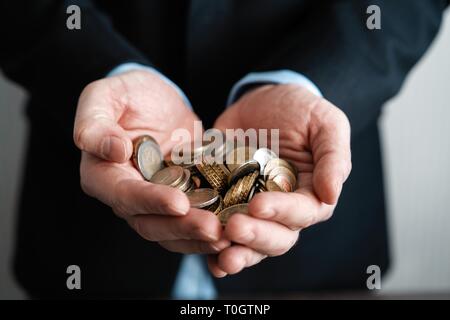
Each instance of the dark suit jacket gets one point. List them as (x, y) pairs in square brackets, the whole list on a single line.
[(205, 47)]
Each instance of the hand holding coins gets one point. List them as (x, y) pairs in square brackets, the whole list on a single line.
[(113, 111), (223, 184), (312, 134)]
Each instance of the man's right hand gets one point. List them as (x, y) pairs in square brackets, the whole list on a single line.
[(111, 113)]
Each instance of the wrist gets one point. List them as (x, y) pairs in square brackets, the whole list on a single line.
[(131, 66), (277, 77)]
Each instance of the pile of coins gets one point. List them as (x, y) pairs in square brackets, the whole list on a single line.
[(223, 187)]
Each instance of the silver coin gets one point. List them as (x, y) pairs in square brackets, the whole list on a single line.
[(264, 155), (169, 176), (201, 198), (148, 157), (185, 183)]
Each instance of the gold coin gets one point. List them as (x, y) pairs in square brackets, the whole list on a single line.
[(226, 213), (219, 207), (215, 177), (243, 170), (283, 175), (201, 198), (226, 200), (147, 156), (273, 186), (238, 190), (170, 176), (284, 183), (248, 183)]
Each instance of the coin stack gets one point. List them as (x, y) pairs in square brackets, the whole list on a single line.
[(222, 187)]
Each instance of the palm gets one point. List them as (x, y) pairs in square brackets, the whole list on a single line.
[(294, 121), (143, 105), (130, 105)]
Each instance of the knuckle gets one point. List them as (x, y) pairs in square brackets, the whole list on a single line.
[(328, 215), (79, 135), (309, 220), (240, 232)]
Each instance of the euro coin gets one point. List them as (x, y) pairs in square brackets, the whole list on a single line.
[(273, 186), (201, 198), (226, 213), (243, 170), (264, 155), (169, 176), (147, 156), (274, 163)]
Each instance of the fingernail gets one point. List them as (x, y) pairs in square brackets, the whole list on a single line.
[(113, 148), (177, 209), (222, 274), (209, 236), (106, 147), (220, 245)]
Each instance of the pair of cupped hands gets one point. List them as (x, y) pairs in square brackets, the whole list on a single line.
[(314, 136)]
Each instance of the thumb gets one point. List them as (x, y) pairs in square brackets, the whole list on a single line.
[(332, 157), (96, 129), (103, 138)]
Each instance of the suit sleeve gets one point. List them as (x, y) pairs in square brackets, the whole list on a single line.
[(356, 68), (36, 45)]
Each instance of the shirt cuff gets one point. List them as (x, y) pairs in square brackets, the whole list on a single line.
[(129, 66), (271, 77)]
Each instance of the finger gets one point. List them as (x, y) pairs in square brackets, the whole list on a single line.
[(122, 188), (330, 143), (235, 258), (96, 129), (295, 210), (195, 246), (213, 266), (267, 237), (141, 197), (196, 225)]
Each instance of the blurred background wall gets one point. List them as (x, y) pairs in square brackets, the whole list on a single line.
[(416, 131)]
